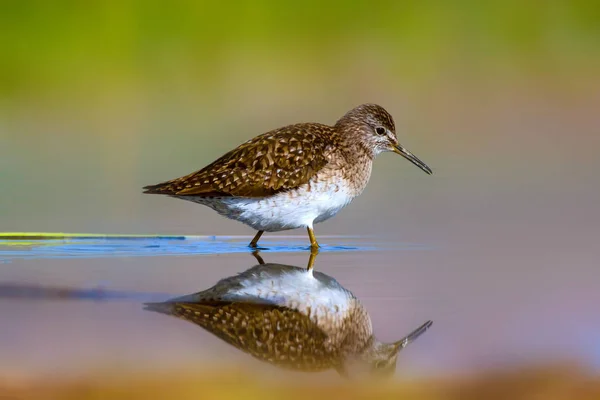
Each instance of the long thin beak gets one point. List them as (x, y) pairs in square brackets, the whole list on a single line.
[(402, 343), (412, 158)]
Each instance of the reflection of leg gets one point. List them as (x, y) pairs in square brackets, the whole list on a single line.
[(313, 239), (254, 242), (311, 259), (256, 255)]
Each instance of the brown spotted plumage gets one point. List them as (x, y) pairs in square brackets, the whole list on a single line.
[(292, 318), (277, 161), (277, 335), (293, 176)]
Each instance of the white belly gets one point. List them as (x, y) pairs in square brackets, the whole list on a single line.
[(309, 204), (314, 294)]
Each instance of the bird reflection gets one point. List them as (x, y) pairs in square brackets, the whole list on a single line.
[(293, 318)]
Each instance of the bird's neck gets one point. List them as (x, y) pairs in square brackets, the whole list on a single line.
[(359, 334), (358, 165)]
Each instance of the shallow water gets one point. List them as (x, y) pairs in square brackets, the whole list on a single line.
[(81, 246), (86, 296), (499, 247)]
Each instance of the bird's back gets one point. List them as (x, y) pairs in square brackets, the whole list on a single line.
[(273, 162), (277, 335), (277, 313)]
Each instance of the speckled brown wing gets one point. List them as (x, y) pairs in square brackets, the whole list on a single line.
[(270, 333), (276, 161)]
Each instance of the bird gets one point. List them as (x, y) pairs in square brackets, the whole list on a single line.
[(295, 176), (292, 318)]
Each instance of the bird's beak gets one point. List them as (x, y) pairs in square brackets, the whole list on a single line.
[(402, 343), (412, 158)]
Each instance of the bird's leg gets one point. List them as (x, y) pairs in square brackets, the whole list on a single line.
[(311, 259), (256, 255), (313, 240), (254, 242)]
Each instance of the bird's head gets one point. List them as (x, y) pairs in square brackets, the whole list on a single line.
[(379, 359), (373, 128)]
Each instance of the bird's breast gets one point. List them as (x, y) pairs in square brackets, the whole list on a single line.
[(318, 200), (326, 304), (322, 197)]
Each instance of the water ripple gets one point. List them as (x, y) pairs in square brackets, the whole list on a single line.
[(44, 246)]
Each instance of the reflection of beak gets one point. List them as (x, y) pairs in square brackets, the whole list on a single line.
[(412, 158), (402, 343)]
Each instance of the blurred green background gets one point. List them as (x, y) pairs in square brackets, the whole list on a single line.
[(100, 98)]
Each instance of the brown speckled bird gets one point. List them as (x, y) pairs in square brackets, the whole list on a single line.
[(295, 176), (292, 318)]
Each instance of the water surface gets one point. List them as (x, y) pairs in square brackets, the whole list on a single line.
[(89, 306)]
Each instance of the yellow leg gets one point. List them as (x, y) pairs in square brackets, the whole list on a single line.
[(256, 255), (313, 239), (311, 259), (254, 242)]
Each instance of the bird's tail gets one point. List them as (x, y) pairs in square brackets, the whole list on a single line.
[(159, 188), (163, 308)]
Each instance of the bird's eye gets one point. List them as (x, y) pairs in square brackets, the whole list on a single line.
[(380, 364), (380, 130)]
